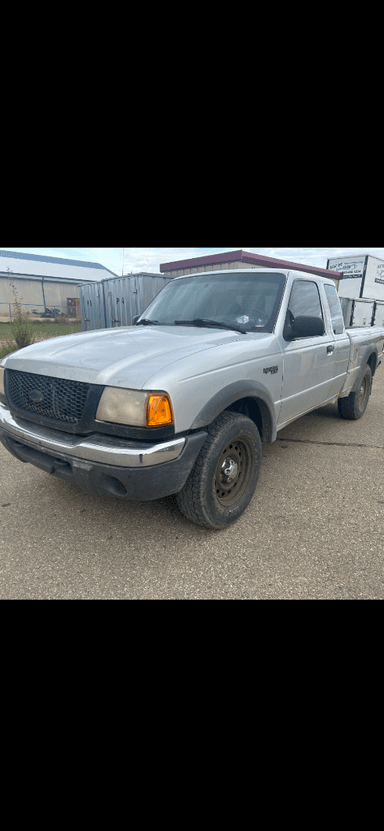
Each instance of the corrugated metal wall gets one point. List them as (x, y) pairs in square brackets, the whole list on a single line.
[(113, 303), (120, 298), (92, 306), (32, 291), (148, 286)]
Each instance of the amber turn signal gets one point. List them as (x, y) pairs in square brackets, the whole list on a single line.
[(158, 410)]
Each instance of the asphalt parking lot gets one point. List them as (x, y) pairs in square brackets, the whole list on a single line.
[(314, 529)]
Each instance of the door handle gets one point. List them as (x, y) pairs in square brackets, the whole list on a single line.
[(330, 349)]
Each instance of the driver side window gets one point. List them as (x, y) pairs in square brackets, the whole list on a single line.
[(304, 300)]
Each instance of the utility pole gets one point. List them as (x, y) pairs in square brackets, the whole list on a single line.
[(122, 271)]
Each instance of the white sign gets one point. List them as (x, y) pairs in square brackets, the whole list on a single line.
[(379, 274), (351, 266)]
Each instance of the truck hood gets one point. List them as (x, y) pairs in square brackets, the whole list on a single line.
[(120, 357)]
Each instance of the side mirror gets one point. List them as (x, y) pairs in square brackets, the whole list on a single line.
[(135, 319), (307, 327)]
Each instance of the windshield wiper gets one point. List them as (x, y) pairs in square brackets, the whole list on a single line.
[(200, 321), (146, 322)]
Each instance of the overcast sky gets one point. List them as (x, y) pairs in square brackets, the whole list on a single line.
[(149, 259)]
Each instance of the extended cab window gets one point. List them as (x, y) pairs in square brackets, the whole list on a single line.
[(335, 309), (304, 301)]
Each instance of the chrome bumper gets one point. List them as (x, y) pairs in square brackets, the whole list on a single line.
[(95, 448)]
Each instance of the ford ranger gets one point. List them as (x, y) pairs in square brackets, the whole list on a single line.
[(180, 402)]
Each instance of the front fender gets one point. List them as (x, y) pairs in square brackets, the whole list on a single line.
[(234, 392)]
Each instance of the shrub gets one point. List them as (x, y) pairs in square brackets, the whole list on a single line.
[(21, 327)]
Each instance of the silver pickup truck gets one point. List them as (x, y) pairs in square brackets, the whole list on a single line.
[(181, 402)]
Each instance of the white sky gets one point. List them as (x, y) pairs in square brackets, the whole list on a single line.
[(149, 259)]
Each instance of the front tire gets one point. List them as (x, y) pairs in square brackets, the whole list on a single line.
[(354, 407), (224, 477)]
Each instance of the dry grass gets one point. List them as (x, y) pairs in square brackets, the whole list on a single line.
[(40, 331)]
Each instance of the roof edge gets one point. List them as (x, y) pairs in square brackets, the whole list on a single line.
[(19, 255), (252, 259)]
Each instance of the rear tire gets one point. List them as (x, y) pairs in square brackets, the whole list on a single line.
[(224, 477), (354, 407)]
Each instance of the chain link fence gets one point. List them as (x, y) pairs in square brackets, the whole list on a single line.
[(38, 312)]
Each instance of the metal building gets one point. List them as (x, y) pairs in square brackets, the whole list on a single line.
[(42, 283), (114, 302)]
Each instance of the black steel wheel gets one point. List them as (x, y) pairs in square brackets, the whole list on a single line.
[(233, 472), (223, 480)]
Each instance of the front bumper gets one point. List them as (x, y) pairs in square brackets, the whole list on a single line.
[(101, 464)]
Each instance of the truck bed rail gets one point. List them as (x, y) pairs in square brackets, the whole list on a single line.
[(359, 312)]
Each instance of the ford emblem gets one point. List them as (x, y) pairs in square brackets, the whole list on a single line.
[(36, 396)]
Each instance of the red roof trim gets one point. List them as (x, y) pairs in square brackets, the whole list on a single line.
[(245, 257)]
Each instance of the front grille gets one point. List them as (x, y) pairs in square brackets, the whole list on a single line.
[(53, 398)]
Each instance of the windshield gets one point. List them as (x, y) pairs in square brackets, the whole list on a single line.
[(249, 300)]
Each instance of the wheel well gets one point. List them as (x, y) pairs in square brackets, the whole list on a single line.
[(372, 362), (258, 412)]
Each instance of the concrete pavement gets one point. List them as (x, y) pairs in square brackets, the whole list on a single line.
[(314, 529)]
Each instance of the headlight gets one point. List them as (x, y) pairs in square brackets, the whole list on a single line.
[(2, 380), (134, 408), (122, 406)]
